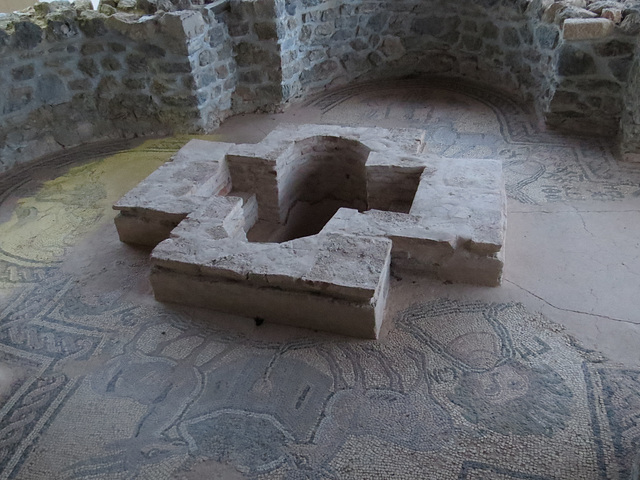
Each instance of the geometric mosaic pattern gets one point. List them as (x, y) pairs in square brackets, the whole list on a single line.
[(464, 120), (111, 385), (456, 390)]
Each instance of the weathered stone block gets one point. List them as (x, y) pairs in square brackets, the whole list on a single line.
[(183, 25), (251, 77), (88, 66), (346, 22), (116, 47), (106, 9), (378, 21), (376, 58), (51, 90), (127, 5), (222, 71), (60, 30), (631, 23), (27, 35), (266, 30), (471, 43), (24, 72), (324, 29), (82, 5), (598, 5), (439, 27), (238, 29), (469, 26), (159, 88), (573, 61), (620, 67), (490, 31), (188, 82), (587, 28), (91, 48), (547, 36), (175, 67), (613, 14), (320, 71), (510, 37), (19, 97), (137, 62), (183, 101), (110, 63), (170, 193), (151, 51), (354, 63), (80, 84), (359, 44), (392, 48), (341, 36), (248, 54), (558, 12), (206, 57), (92, 24), (614, 48)]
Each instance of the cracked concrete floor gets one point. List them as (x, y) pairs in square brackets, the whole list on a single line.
[(99, 381)]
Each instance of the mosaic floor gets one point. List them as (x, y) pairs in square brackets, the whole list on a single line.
[(99, 381)]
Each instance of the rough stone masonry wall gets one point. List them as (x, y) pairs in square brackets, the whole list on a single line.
[(325, 42), (253, 28), (72, 75), (630, 128), (577, 80), (591, 71)]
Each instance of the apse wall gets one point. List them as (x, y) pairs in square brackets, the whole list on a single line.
[(73, 75), (328, 43), (577, 83)]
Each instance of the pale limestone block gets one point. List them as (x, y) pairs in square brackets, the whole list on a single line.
[(587, 28), (333, 282), (196, 172), (272, 304), (613, 14)]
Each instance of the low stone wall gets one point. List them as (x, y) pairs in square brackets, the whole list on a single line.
[(75, 75)]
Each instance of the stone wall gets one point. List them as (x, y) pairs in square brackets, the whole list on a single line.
[(329, 43), (253, 28), (574, 69), (75, 75), (592, 68)]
